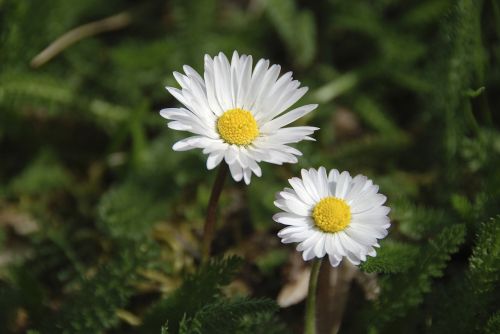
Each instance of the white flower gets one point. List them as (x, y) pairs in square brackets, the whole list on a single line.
[(336, 215), (237, 114)]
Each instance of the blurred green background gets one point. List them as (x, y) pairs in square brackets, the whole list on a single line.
[(100, 220)]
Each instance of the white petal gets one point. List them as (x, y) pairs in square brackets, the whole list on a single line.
[(332, 181), (311, 241), (244, 81), (342, 186), (287, 118), (298, 237), (348, 244), (236, 171), (322, 182), (308, 254), (368, 219), (361, 236), (288, 99), (247, 175), (288, 218), (376, 211), (231, 155), (287, 231), (255, 83), (334, 260), (214, 159), (189, 143), (292, 134), (358, 183), (301, 191), (193, 75), (309, 185), (336, 245), (265, 86), (376, 231), (353, 258), (368, 203), (293, 206), (210, 87), (319, 248), (223, 81)]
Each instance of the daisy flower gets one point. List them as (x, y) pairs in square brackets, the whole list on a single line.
[(238, 114), (334, 215)]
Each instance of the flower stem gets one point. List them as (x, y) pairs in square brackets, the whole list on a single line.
[(209, 228), (310, 320)]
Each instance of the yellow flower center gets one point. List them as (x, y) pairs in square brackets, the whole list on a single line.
[(237, 126), (332, 214)]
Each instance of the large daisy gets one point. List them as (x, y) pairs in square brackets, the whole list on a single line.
[(238, 114), (334, 215)]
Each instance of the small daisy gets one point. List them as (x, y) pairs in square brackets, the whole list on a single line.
[(332, 214), (238, 114)]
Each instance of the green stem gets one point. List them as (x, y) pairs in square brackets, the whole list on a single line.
[(209, 228), (310, 320)]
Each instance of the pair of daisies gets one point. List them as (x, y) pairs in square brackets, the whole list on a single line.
[(240, 114)]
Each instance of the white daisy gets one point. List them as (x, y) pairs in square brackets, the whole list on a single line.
[(237, 114), (336, 215)]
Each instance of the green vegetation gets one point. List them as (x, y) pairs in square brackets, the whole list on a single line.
[(101, 221)]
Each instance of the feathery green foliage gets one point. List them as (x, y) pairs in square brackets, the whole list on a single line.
[(226, 316), (197, 307), (108, 291), (406, 290), (100, 220)]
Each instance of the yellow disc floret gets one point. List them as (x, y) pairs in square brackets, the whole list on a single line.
[(237, 126), (332, 214)]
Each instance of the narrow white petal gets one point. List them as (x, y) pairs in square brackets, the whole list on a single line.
[(323, 183), (231, 155), (283, 233), (236, 171), (361, 236), (334, 260), (376, 231), (287, 218), (247, 175), (190, 142), (337, 246), (288, 99), (368, 203), (210, 87), (308, 254), (333, 175), (319, 247), (343, 183), (214, 159), (353, 258), (358, 183), (294, 206), (244, 81), (255, 83), (309, 185), (311, 241), (287, 118), (265, 86), (377, 211), (193, 75), (301, 191), (298, 236)]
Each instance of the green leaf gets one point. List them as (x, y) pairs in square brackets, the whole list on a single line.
[(404, 291), (393, 257), (196, 291), (225, 317)]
